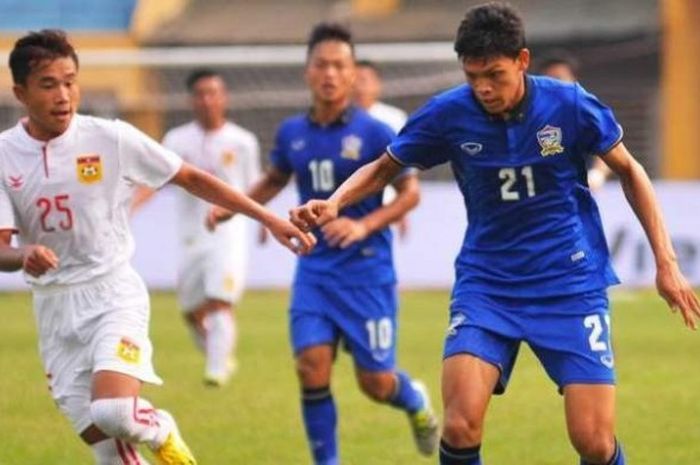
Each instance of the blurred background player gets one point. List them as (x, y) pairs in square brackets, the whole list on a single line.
[(564, 67), (212, 270), (345, 290), (72, 181), (534, 266), (366, 94)]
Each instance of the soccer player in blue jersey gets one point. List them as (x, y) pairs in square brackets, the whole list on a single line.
[(346, 289), (534, 266)]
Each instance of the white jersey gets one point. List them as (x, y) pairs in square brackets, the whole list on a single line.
[(392, 116), (72, 193), (230, 153)]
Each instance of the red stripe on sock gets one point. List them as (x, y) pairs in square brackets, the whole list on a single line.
[(133, 454), (122, 453)]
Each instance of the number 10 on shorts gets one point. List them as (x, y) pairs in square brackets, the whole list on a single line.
[(380, 333)]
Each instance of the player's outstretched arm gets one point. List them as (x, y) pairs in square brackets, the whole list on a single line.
[(213, 190), (33, 259), (344, 232), (670, 282), (262, 191), (371, 178)]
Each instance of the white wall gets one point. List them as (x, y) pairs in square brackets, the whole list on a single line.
[(424, 259)]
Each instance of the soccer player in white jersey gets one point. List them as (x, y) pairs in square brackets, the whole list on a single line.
[(66, 182), (367, 92), (212, 269)]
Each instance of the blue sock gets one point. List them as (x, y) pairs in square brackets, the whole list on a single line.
[(405, 396), (453, 456), (320, 419), (618, 457)]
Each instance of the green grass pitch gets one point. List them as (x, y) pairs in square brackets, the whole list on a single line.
[(255, 420)]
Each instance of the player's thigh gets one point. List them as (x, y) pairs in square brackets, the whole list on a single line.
[(574, 345), (468, 383), (590, 414), (309, 321), (366, 316)]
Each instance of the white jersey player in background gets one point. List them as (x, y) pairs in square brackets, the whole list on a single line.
[(66, 182), (212, 268), (367, 91)]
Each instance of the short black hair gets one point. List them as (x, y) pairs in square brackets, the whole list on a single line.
[(559, 57), (35, 47), (490, 30), (369, 64), (323, 32), (201, 73)]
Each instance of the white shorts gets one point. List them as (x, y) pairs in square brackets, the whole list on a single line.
[(213, 273), (86, 328)]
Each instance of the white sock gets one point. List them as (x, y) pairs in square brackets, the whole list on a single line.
[(130, 419), (221, 337), (116, 452)]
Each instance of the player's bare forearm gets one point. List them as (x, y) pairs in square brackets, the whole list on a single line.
[(267, 188), (408, 196), (371, 178), (641, 197), (141, 197), (207, 187)]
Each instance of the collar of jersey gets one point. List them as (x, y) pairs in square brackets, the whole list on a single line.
[(56, 140), (518, 112), (343, 118)]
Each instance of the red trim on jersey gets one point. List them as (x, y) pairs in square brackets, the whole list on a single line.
[(122, 452), (46, 160), (133, 454)]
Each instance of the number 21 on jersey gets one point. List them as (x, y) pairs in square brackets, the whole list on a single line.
[(511, 181)]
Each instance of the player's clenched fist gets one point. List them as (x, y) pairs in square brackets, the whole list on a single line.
[(37, 260), (290, 236), (313, 213)]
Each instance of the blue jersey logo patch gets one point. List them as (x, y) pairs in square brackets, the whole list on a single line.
[(549, 138)]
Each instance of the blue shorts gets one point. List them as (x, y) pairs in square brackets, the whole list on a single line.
[(364, 317), (570, 335)]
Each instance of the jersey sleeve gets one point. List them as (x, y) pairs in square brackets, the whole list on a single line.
[(421, 143), (599, 131), (7, 212), (278, 156), (143, 160)]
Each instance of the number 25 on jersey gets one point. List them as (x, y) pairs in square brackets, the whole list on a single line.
[(55, 213)]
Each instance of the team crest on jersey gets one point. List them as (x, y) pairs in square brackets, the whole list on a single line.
[(351, 147), (15, 182), (228, 158), (89, 168), (549, 138), (128, 351)]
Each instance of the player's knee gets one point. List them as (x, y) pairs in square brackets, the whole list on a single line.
[(594, 446), (114, 417), (312, 371), (377, 386), (461, 431)]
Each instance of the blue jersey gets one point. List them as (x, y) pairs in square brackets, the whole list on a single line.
[(321, 157), (533, 228)]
